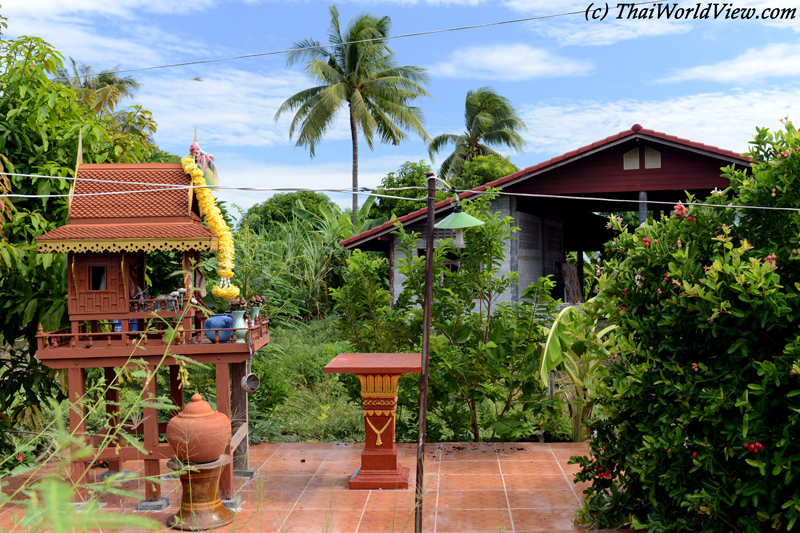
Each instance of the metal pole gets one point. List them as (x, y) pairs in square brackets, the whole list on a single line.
[(426, 346)]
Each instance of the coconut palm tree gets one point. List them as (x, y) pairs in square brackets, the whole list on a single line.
[(358, 71), (490, 119), (100, 91)]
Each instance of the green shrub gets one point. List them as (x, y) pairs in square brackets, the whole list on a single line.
[(484, 355), (707, 307)]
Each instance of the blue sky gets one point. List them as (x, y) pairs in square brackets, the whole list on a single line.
[(573, 81)]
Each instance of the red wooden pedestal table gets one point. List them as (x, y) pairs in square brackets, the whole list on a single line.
[(378, 374)]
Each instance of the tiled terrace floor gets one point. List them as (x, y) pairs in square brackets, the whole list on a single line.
[(302, 488)]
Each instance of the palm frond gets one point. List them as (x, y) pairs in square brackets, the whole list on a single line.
[(508, 138), (440, 141)]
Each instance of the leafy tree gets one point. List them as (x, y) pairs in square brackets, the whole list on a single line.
[(361, 75), (481, 170), (278, 208), (701, 400), (157, 155), (490, 119), (40, 121), (410, 174)]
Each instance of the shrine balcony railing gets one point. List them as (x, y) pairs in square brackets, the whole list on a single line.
[(255, 334), (157, 305)]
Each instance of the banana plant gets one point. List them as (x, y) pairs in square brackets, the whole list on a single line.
[(575, 343)]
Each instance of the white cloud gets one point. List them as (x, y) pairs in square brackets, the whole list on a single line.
[(575, 30), (228, 107), (606, 32), (49, 9), (511, 62), (752, 66), (724, 119)]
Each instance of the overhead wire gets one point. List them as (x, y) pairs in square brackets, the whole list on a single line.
[(362, 191), (388, 37)]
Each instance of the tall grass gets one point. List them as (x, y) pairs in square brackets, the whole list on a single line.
[(297, 402)]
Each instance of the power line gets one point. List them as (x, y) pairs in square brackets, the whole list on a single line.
[(363, 191), (366, 191), (595, 199), (388, 37)]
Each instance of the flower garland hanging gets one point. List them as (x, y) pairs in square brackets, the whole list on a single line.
[(213, 216)]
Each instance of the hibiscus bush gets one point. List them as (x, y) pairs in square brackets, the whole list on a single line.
[(701, 402)]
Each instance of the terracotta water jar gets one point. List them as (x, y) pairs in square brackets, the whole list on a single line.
[(198, 434)]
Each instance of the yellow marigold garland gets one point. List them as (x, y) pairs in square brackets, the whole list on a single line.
[(213, 216)]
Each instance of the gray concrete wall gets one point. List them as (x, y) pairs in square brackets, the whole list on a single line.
[(525, 254)]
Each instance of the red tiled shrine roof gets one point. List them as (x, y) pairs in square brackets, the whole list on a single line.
[(161, 219), (160, 203)]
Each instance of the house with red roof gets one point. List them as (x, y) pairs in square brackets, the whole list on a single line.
[(554, 203)]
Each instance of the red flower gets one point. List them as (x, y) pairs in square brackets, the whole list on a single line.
[(646, 241), (20, 457)]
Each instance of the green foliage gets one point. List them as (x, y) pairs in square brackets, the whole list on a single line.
[(46, 492), (40, 121), (334, 226), (484, 355), (481, 170), (296, 400), (278, 209), (409, 174), (358, 72), (707, 307), (577, 343), (489, 119), (157, 155)]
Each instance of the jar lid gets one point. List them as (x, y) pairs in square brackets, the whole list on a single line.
[(197, 407)]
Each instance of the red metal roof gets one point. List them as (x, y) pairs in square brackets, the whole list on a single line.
[(636, 131)]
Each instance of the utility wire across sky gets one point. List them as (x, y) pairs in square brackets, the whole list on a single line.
[(363, 191), (388, 37)]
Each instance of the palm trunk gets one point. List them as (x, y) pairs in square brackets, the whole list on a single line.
[(354, 135)]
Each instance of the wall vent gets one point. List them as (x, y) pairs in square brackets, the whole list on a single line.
[(652, 158), (630, 160)]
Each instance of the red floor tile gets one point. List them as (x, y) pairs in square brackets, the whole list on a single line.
[(335, 499), (472, 499), (469, 487), (470, 467), (542, 499), (400, 521), (474, 521), (529, 520), (389, 500), (531, 467), (278, 466), (536, 482), (470, 482), (314, 521)]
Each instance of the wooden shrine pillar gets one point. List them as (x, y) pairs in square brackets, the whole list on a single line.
[(77, 426), (239, 422), (112, 412), (224, 406), (152, 468)]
